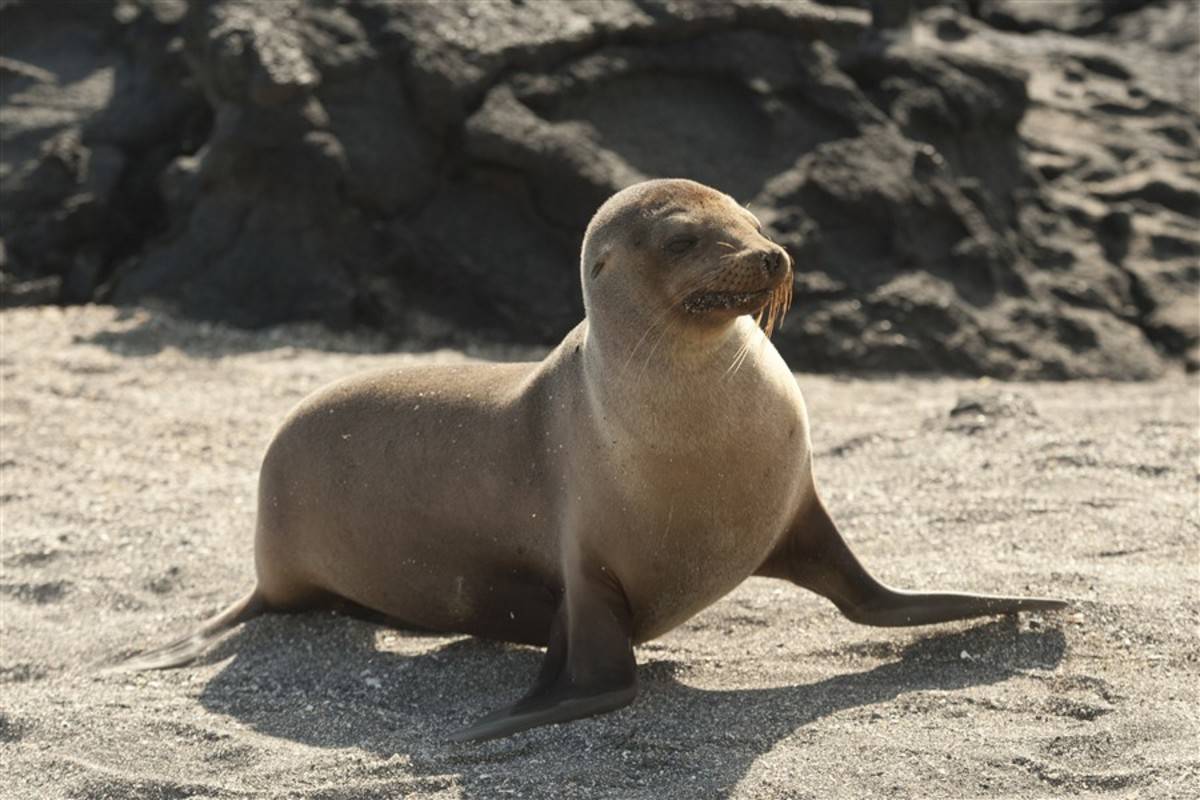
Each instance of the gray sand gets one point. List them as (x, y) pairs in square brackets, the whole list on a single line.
[(130, 449)]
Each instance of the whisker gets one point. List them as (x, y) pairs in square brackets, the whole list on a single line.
[(703, 281), (654, 322), (762, 342), (776, 308), (787, 298), (768, 318), (650, 355), (741, 357), (738, 357)]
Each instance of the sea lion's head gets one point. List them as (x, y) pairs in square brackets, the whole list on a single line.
[(680, 249)]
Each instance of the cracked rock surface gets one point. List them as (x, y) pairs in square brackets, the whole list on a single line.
[(982, 188)]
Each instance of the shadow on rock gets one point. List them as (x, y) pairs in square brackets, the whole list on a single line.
[(321, 681)]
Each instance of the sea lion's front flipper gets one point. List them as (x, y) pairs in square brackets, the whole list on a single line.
[(589, 666), (814, 555)]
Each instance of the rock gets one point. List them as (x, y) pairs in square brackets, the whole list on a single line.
[(36, 292), (95, 98), (1075, 16), (959, 196), (993, 403)]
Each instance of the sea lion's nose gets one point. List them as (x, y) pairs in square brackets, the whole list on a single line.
[(772, 261)]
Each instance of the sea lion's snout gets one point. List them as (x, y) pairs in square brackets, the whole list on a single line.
[(773, 261), (775, 264), (756, 281)]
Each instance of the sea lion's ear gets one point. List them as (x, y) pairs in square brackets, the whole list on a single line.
[(598, 264)]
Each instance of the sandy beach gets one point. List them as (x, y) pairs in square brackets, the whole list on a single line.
[(131, 442)]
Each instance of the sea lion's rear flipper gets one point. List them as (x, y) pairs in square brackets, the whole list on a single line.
[(185, 650), (814, 555), (589, 666)]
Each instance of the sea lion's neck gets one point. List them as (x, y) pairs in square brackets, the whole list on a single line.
[(664, 345), (660, 371)]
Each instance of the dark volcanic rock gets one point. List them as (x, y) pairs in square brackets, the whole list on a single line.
[(1010, 193), (96, 103)]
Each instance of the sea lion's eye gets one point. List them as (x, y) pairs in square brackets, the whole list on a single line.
[(681, 244)]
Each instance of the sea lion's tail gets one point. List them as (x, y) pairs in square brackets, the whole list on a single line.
[(185, 650)]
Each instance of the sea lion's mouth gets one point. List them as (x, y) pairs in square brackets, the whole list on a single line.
[(700, 302), (768, 305)]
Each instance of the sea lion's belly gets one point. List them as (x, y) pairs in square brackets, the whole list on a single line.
[(415, 495)]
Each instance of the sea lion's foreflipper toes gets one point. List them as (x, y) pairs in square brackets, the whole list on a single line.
[(539, 711), (568, 696), (589, 666)]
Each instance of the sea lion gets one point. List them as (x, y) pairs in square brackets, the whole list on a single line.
[(594, 500)]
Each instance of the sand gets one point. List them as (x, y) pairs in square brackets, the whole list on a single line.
[(130, 449)]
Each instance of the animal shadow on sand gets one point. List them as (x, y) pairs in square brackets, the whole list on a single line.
[(321, 680)]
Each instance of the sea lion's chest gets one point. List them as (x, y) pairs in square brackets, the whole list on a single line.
[(685, 514)]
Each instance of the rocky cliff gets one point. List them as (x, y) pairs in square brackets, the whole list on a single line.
[(980, 187)]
